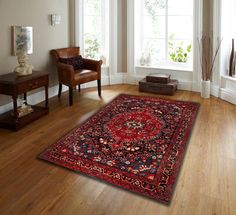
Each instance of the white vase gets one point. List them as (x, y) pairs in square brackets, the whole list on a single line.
[(206, 89), (142, 60)]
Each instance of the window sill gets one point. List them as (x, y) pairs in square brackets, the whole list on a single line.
[(166, 67), (226, 77)]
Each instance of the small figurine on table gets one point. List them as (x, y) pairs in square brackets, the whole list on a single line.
[(24, 68)]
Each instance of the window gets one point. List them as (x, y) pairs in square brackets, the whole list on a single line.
[(228, 32), (164, 30), (95, 29)]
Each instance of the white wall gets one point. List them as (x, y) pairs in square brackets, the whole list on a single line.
[(33, 13)]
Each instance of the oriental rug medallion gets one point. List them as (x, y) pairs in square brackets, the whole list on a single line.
[(134, 142)]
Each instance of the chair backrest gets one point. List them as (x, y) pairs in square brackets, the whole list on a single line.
[(65, 52)]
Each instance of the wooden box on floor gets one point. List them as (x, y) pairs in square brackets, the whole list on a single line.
[(159, 88), (158, 78)]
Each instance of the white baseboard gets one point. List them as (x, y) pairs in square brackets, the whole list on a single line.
[(117, 79), (228, 95), (215, 91), (114, 79), (185, 85), (128, 79), (196, 87)]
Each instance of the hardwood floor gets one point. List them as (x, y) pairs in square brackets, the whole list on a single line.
[(206, 184)]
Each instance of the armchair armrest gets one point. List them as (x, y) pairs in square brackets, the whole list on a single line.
[(65, 73), (94, 65)]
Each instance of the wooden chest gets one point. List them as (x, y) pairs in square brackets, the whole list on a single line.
[(159, 88), (158, 78)]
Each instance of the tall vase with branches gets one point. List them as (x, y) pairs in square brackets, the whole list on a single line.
[(208, 56)]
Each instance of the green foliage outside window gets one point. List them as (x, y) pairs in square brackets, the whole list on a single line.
[(92, 47), (178, 52)]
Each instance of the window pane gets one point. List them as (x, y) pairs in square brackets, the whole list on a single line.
[(156, 47), (181, 27), (92, 29), (92, 7), (92, 46), (95, 28), (93, 24), (180, 7), (92, 37), (180, 51), (154, 7), (154, 28)]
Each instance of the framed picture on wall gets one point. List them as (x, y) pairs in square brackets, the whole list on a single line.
[(22, 39)]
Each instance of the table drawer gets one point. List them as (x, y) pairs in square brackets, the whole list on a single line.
[(32, 84)]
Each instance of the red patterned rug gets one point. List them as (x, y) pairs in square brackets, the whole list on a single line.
[(134, 142)]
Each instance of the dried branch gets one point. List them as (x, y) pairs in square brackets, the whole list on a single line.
[(208, 56)]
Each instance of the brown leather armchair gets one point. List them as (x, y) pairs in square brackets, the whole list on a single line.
[(70, 77)]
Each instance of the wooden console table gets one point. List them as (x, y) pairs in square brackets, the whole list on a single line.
[(13, 85)]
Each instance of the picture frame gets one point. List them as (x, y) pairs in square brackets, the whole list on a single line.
[(22, 39)]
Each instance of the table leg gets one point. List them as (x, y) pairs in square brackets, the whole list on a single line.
[(46, 96), (25, 97), (15, 106)]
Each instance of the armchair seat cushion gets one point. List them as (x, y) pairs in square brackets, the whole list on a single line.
[(84, 75), (77, 62)]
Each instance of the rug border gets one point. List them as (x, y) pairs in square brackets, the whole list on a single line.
[(178, 172)]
